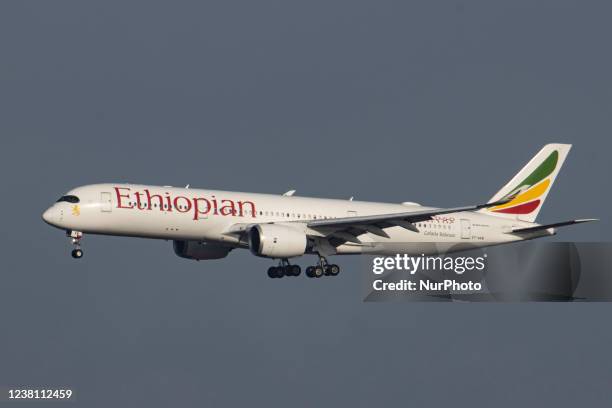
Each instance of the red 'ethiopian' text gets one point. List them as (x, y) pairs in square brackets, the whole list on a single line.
[(197, 207)]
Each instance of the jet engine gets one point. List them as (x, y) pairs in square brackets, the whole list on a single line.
[(276, 241), (200, 250)]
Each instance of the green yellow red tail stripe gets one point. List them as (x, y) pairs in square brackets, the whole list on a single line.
[(529, 191)]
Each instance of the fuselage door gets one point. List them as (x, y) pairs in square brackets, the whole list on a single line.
[(351, 213), (106, 202), (466, 229)]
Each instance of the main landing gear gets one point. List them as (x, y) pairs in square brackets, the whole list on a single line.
[(75, 238), (322, 268), (284, 268)]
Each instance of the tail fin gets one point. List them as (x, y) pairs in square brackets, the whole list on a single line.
[(531, 185)]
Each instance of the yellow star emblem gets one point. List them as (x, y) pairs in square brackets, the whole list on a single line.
[(76, 210)]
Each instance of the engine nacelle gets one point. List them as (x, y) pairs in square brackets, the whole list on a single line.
[(200, 250), (276, 241)]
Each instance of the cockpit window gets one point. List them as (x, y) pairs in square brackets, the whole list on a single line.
[(69, 198)]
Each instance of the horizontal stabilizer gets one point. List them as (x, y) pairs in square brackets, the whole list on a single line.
[(555, 225)]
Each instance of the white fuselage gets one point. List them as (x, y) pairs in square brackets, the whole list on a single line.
[(208, 215)]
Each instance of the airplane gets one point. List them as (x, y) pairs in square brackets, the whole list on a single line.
[(208, 224)]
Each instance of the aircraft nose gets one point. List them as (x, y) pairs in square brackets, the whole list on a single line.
[(50, 216)]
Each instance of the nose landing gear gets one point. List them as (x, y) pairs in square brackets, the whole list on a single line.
[(75, 238)]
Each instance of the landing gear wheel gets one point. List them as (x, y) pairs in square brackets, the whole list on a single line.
[(77, 253), (332, 270), (310, 271), (284, 269), (318, 271), (295, 270)]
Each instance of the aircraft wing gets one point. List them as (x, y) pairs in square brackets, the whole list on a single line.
[(349, 228)]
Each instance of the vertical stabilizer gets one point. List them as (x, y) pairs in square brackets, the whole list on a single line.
[(531, 185)]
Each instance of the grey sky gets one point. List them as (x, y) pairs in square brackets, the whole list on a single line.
[(434, 102)]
